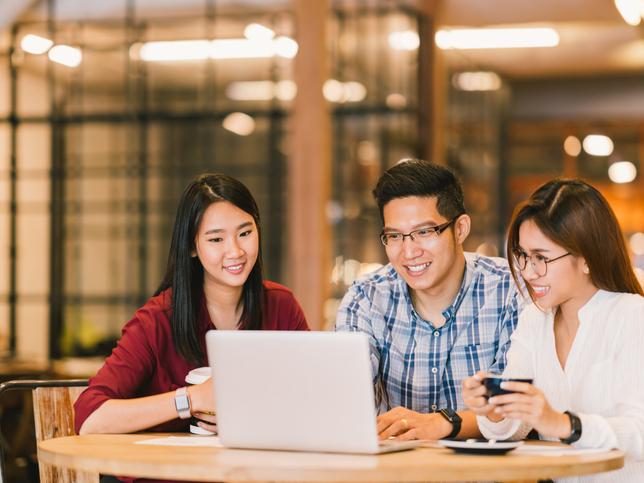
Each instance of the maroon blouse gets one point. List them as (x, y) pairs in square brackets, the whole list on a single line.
[(145, 361)]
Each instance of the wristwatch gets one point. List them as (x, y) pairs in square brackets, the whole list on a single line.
[(182, 402), (454, 418), (575, 428)]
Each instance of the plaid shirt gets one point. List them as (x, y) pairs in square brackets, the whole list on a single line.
[(421, 367)]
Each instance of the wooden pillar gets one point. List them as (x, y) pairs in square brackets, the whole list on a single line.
[(308, 260), (431, 84)]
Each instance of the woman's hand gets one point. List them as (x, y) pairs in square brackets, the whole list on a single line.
[(202, 398), (475, 399), (202, 405), (528, 404), (207, 421)]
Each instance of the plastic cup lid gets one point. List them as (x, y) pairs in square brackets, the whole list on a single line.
[(198, 375)]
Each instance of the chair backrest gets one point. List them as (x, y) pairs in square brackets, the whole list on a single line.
[(54, 418)]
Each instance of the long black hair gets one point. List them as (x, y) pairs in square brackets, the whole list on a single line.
[(184, 273)]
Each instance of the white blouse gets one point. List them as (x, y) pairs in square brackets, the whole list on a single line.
[(602, 382)]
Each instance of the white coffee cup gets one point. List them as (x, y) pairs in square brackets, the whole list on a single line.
[(198, 376)]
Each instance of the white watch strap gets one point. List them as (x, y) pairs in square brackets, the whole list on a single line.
[(182, 402)]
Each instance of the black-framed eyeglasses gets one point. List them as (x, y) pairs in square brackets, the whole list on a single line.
[(539, 262), (395, 239)]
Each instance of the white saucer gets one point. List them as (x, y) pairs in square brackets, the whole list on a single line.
[(479, 446)]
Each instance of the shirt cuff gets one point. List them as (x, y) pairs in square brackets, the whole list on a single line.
[(504, 429), (596, 433)]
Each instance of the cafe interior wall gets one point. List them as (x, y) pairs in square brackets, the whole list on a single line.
[(114, 215), (502, 142), (100, 259)]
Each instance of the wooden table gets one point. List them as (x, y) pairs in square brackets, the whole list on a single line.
[(117, 454)]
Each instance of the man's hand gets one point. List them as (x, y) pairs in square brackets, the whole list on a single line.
[(405, 424)]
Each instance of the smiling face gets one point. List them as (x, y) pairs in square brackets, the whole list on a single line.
[(427, 265), (566, 280), (227, 245)]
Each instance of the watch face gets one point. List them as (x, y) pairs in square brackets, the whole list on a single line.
[(182, 403)]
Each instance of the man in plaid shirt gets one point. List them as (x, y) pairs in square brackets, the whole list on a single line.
[(435, 314)]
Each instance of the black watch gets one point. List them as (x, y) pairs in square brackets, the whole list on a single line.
[(454, 418), (575, 428)]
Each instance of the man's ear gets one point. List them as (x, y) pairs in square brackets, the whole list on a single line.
[(462, 228)]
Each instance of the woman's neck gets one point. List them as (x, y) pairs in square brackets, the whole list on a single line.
[(223, 305), (569, 310)]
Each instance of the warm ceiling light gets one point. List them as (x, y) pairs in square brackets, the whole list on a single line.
[(630, 10), (250, 91), (476, 81), (333, 91), (179, 50), (285, 47), (336, 91), (284, 90), (241, 49), (405, 40), (34, 44), (572, 146), (256, 31), (622, 172), (499, 38), (174, 50), (598, 145), (354, 91), (239, 123), (65, 55), (396, 100)]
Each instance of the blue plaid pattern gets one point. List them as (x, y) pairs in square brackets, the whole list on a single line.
[(421, 367)]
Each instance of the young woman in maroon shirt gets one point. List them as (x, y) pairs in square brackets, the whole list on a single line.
[(213, 280)]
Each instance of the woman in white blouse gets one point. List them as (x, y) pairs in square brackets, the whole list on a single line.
[(582, 339)]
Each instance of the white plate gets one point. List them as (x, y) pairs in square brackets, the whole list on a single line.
[(479, 446)]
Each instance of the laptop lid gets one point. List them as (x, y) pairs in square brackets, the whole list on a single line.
[(304, 391)]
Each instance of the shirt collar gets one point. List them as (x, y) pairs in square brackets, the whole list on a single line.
[(592, 305), (586, 311)]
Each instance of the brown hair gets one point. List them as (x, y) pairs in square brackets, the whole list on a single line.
[(576, 216)]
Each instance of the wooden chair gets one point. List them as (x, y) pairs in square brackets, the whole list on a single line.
[(53, 402)]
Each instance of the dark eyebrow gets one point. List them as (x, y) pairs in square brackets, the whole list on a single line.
[(536, 250), (424, 224), (219, 230)]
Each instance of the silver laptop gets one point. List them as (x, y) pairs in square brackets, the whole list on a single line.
[(298, 391)]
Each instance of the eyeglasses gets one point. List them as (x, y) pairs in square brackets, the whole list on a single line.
[(394, 239), (539, 262)]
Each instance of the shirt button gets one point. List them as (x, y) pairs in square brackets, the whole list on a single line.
[(434, 370), (434, 407), (436, 333)]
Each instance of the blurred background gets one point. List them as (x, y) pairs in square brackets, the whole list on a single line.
[(108, 109)]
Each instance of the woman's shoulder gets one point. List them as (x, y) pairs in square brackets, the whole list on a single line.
[(277, 291), (155, 312), (626, 306), (282, 311)]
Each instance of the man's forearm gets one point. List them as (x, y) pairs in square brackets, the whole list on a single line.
[(469, 426)]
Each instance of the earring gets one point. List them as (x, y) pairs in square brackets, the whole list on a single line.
[(586, 270)]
